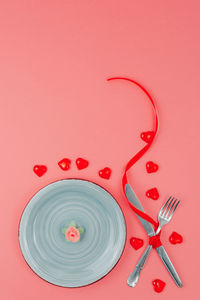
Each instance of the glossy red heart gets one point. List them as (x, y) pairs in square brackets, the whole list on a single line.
[(39, 170), (105, 173), (151, 167), (64, 164), (158, 285), (81, 163), (175, 238), (136, 243), (147, 136), (152, 193)]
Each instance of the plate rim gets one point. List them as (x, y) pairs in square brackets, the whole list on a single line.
[(125, 232)]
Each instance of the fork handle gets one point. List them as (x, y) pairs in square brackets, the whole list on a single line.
[(134, 276)]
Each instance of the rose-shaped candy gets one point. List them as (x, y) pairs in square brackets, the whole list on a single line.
[(72, 234)]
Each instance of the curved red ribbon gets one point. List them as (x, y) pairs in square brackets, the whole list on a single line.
[(154, 241)]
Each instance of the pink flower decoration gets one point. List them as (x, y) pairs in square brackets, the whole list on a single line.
[(72, 234)]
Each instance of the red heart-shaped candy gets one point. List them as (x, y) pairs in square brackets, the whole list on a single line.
[(147, 136), (158, 285), (136, 243), (39, 170), (151, 167), (64, 164), (105, 173), (152, 193), (81, 163), (175, 238)]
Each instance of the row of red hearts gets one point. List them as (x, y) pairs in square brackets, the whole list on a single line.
[(105, 173), (65, 164)]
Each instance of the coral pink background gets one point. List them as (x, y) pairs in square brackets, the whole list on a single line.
[(55, 57)]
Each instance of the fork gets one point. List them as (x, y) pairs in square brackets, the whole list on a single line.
[(164, 216), (166, 212)]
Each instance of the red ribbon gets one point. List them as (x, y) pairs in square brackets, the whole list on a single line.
[(155, 240)]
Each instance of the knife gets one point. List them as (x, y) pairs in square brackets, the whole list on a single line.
[(132, 198)]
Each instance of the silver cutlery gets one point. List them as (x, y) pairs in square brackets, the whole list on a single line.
[(164, 217)]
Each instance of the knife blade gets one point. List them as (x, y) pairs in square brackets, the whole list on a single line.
[(132, 198)]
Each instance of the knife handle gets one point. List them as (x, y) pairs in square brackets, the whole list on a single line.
[(134, 276), (168, 264)]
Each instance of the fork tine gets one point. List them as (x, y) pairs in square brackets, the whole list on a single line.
[(170, 208), (165, 204), (175, 207), (166, 209)]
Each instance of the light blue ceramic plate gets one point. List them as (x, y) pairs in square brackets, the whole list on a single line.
[(45, 247)]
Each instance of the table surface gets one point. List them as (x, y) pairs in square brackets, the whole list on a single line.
[(55, 58)]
